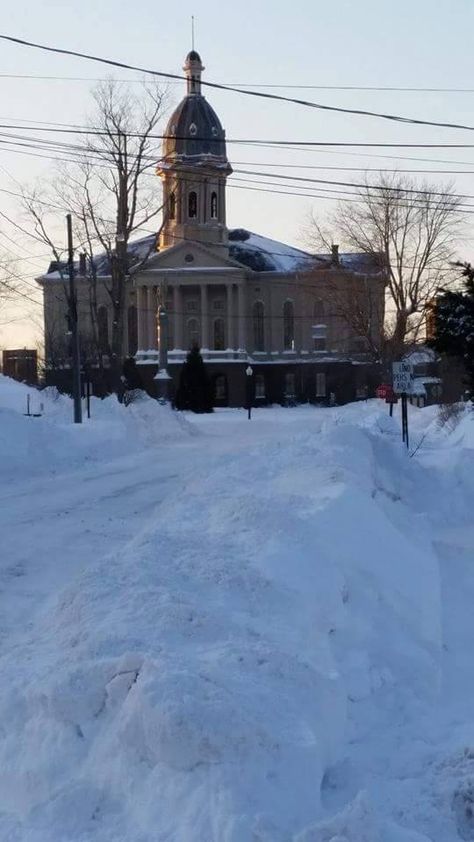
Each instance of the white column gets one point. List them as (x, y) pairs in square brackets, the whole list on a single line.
[(230, 315), (141, 318), (204, 318), (152, 319), (241, 317), (178, 317)]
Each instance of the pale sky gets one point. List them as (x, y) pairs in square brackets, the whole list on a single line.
[(342, 43)]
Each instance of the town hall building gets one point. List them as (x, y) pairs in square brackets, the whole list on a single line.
[(247, 301)]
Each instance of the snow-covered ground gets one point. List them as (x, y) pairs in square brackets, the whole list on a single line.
[(216, 630)]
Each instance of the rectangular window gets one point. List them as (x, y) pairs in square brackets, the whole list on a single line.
[(319, 333), (321, 384), (191, 305), (218, 304), (290, 385), (259, 386)]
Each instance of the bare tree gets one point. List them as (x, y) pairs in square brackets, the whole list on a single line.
[(413, 229), (360, 306), (111, 196), (10, 283)]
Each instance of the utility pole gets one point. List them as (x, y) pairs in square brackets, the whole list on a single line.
[(76, 353)]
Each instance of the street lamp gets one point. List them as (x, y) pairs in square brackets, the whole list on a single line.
[(249, 372)]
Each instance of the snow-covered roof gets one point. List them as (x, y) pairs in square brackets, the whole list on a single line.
[(263, 254), (418, 384), (420, 356), (137, 250), (256, 252)]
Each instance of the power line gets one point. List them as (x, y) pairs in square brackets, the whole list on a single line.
[(240, 90), (51, 144), (385, 188), (131, 79), (64, 128)]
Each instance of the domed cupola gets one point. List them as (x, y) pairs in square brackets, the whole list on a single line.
[(194, 167)]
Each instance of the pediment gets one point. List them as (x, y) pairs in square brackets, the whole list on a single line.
[(191, 255)]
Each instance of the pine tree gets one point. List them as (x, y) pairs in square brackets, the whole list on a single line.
[(194, 390), (131, 375), (454, 324)]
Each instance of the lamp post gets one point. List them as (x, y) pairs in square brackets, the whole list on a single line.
[(249, 372), (162, 378)]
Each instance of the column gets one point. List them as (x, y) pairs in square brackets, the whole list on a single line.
[(241, 317), (152, 317), (230, 316), (178, 317), (204, 318), (141, 318)]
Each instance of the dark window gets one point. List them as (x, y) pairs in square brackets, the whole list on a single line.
[(258, 326), (103, 330), (132, 330), (192, 205), (172, 206), (193, 333), (214, 205), (321, 385), (290, 385), (220, 388), (219, 335), (319, 337), (259, 386), (288, 326)]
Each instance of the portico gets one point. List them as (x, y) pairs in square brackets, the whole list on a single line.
[(206, 309)]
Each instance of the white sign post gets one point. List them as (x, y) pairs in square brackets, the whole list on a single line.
[(402, 375)]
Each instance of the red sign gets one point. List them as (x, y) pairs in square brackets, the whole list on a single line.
[(385, 392)]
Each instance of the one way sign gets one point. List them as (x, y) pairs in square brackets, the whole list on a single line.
[(402, 376)]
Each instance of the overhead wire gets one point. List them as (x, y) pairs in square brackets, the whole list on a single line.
[(134, 80), (234, 89)]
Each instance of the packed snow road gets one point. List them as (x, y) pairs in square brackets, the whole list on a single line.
[(216, 630)]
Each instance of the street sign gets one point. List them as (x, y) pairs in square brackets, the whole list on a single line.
[(402, 373)]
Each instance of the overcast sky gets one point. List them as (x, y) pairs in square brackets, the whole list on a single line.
[(342, 43)]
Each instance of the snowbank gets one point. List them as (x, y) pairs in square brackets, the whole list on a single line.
[(52, 442), (198, 684)]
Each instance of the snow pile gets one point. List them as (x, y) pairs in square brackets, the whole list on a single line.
[(199, 683), (51, 442)]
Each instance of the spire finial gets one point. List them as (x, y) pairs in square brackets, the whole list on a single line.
[(193, 68), (192, 31)]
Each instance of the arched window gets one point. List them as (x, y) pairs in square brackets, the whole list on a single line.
[(194, 338), (258, 326), (132, 330), (219, 334), (213, 205), (103, 330), (288, 326), (172, 206), (192, 204), (318, 310)]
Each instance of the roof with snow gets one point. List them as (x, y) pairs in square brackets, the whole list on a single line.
[(261, 254), (255, 252)]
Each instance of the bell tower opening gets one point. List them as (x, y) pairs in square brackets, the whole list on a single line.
[(194, 167)]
